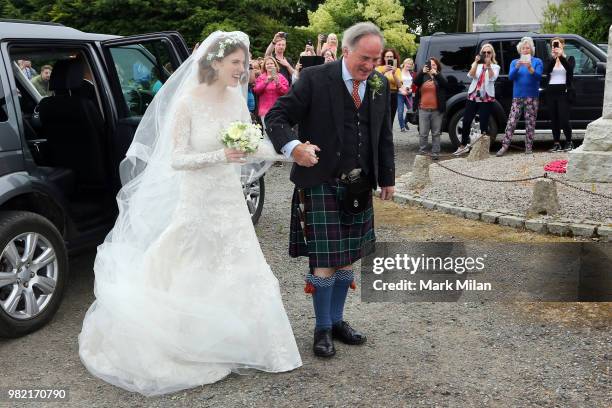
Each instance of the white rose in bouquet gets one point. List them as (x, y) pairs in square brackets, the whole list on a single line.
[(242, 136)]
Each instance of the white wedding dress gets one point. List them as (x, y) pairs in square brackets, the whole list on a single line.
[(199, 301)]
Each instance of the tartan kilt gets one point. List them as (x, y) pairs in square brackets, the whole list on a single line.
[(333, 237)]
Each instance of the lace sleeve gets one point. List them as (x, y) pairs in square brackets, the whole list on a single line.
[(183, 156)]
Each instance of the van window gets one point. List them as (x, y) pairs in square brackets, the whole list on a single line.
[(142, 70), (508, 53), (586, 63), (453, 54)]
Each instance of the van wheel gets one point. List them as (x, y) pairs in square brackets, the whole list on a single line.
[(33, 272), (455, 127)]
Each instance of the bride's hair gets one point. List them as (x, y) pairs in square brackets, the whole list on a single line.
[(218, 50)]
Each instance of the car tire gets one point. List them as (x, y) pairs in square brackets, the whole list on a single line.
[(456, 123), (37, 285), (255, 195)]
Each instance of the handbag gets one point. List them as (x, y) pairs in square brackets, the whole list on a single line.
[(357, 194), (412, 117)]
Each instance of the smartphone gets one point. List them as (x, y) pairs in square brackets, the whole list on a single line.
[(428, 65), (284, 35), (525, 58), (556, 44)]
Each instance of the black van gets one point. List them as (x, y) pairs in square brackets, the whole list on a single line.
[(456, 52), (60, 155)]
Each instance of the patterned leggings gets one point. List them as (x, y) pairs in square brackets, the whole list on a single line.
[(531, 112)]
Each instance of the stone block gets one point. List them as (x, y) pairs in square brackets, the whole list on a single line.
[(480, 149), (544, 200), (511, 221), (582, 230), (536, 225), (419, 177), (490, 216), (559, 228), (472, 214)]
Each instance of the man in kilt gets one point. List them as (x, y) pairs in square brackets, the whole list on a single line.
[(345, 140)]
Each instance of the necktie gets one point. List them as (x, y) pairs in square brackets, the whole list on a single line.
[(355, 94)]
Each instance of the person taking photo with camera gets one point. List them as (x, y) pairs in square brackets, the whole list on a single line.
[(431, 100), (269, 86), (560, 93), (389, 68), (276, 50), (481, 95)]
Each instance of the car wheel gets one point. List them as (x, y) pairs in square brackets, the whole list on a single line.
[(455, 127), (33, 272), (254, 194)]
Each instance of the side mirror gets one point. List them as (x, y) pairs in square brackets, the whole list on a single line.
[(601, 68)]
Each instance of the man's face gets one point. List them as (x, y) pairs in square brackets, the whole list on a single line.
[(362, 60), (280, 46), (46, 74)]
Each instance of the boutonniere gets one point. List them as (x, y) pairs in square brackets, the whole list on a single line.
[(376, 85)]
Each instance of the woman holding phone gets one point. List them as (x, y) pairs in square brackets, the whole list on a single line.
[(560, 93), (526, 73), (389, 68), (481, 95), (406, 93), (431, 100), (269, 86)]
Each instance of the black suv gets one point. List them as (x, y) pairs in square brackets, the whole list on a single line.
[(456, 52), (60, 154)]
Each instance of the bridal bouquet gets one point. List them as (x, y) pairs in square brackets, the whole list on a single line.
[(242, 136)]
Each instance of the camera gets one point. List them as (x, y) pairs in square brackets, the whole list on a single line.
[(556, 44), (390, 62), (428, 65), (482, 56), (283, 34), (309, 42)]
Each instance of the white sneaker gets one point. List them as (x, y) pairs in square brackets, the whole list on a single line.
[(462, 150)]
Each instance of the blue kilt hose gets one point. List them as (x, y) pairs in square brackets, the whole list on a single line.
[(331, 237)]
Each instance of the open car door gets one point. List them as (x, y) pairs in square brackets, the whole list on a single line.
[(137, 67)]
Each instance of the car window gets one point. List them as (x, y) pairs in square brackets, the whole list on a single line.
[(142, 69), (454, 55), (508, 53), (586, 63)]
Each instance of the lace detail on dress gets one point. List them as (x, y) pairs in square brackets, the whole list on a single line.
[(184, 157)]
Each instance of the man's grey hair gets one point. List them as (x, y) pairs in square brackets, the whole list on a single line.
[(528, 41), (354, 33)]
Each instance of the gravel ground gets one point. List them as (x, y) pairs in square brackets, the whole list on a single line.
[(417, 354), (515, 197)]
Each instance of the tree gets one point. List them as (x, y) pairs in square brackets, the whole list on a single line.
[(588, 18), (337, 15), (194, 19), (426, 17)]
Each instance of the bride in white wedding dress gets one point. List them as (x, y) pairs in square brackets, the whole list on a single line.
[(184, 295)]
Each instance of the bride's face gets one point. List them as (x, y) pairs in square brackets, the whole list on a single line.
[(231, 68)]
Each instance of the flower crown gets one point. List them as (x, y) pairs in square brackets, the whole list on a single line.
[(222, 46)]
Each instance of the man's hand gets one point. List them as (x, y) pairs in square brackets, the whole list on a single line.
[(283, 61), (305, 155), (386, 193)]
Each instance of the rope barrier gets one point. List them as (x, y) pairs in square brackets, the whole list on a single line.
[(543, 176)]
